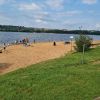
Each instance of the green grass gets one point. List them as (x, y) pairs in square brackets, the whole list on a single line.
[(60, 79)]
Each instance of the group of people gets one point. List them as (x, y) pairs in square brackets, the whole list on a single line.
[(25, 42), (3, 48)]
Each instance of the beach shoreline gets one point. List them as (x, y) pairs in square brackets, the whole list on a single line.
[(19, 56)]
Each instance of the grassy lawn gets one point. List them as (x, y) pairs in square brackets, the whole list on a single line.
[(60, 79)]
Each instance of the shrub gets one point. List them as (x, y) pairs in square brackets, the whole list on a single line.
[(83, 40)]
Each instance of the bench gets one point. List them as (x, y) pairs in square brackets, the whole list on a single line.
[(66, 42)]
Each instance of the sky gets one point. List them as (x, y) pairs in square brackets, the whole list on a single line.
[(55, 14)]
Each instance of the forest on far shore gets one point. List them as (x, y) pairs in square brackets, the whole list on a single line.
[(10, 28)]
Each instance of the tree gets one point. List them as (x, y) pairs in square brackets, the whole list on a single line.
[(83, 40)]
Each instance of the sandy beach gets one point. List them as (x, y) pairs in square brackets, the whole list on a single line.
[(19, 56)]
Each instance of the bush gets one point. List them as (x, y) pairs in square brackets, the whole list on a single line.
[(83, 40)]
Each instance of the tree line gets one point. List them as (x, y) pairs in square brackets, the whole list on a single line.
[(10, 28)]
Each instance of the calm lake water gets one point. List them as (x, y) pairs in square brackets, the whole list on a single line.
[(9, 37)]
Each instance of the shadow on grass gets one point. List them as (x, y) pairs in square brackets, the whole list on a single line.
[(75, 64)]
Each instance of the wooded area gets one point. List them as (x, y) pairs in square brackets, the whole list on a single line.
[(10, 28)]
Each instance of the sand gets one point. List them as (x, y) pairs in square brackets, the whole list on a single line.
[(19, 56)]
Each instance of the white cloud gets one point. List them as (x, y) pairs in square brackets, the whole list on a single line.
[(40, 21), (55, 4), (89, 1), (31, 6), (97, 25), (70, 13)]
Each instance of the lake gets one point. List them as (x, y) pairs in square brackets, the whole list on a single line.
[(10, 37)]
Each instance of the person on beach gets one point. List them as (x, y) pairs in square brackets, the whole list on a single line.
[(27, 42), (54, 43), (24, 42), (4, 47), (20, 41), (34, 41)]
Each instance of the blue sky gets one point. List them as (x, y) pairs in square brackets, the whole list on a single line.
[(62, 14)]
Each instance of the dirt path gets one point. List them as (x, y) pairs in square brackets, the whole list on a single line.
[(19, 56)]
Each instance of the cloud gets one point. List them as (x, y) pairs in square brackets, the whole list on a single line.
[(40, 21), (55, 4), (31, 6), (70, 13), (97, 25), (89, 1)]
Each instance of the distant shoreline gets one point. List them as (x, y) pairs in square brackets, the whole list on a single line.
[(10, 28), (77, 32)]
